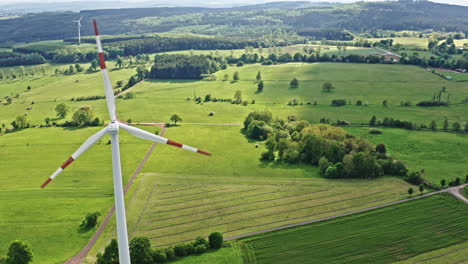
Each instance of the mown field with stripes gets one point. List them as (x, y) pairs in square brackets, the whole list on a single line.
[(386, 235), (179, 208)]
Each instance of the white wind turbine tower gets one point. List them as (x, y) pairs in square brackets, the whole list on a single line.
[(113, 130), (78, 22)]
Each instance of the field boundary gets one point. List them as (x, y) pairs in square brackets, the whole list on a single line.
[(449, 190)]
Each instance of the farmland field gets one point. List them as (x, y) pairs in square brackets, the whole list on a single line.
[(157, 100), (231, 195), (199, 195), (32, 214), (409, 42), (380, 236), (442, 155)]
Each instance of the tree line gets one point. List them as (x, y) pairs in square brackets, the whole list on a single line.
[(16, 59), (141, 251), (179, 66)]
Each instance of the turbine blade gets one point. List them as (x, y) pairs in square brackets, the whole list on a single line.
[(105, 75), (85, 146), (148, 136)]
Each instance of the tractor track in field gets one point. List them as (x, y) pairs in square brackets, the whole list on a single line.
[(275, 213), (239, 212), (299, 217), (78, 259), (223, 194), (443, 255), (223, 201), (231, 206), (449, 190)]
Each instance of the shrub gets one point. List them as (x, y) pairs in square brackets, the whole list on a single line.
[(180, 250), (200, 241), (338, 102), (267, 156), (170, 253), (190, 249), (110, 255), (375, 131), (343, 123), (90, 220), (431, 103), (158, 256), (88, 98), (415, 178), (200, 249), (19, 253), (140, 250), (381, 148), (129, 95), (216, 240), (331, 172), (358, 102), (294, 83), (323, 165), (258, 130), (240, 63)]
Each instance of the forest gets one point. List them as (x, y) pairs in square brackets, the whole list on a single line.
[(185, 66), (264, 20)]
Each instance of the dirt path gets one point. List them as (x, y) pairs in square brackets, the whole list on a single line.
[(457, 192), (387, 52), (78, 259), (449, 190)]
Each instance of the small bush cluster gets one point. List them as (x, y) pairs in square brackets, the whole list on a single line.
[(432, 103), (88, 98), (338, 102), (141, 251), (90, 221)]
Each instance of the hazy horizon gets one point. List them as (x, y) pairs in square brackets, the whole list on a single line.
[(220, 2)]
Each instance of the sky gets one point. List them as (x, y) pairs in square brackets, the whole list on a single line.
[(457, 2)]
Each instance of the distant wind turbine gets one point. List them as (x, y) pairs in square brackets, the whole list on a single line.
[(78, 22), (113, 129)]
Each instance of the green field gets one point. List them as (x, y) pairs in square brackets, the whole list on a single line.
[(46, 92), (409, 42), (157, 100), (197, 195), (454, 76), (380, 236), (49, 219), (181, 195), (442, 155)]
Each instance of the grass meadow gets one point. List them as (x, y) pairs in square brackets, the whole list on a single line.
[(37, 215), (385, 235), (409, 42), (181, 195), (157, 100), (442, 155)]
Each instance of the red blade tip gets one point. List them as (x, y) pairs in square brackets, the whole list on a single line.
[(96, 30), (204, 152), (46, 182)]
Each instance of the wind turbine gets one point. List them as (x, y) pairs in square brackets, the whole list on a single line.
[(78, 22), (113, 130)]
